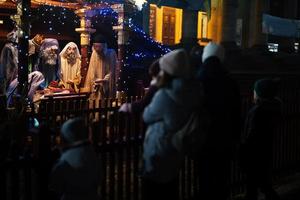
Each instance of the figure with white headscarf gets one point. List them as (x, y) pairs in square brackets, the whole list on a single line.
[(47, 62), (70, 64), (100, 79), (9, 61)]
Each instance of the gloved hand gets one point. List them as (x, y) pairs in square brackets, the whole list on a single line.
[(126, 107)]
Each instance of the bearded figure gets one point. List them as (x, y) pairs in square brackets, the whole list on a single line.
[(100, 79), (48, 61), (9, 61), (70, 64)]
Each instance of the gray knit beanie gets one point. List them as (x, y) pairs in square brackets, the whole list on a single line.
[(176, 63), (74, 130)]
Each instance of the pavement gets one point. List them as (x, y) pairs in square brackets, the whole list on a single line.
[(288, 188)]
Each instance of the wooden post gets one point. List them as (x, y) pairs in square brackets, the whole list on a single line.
[(257, 39), (123, 35), (189, 28), (85, 31), (146, 17), (229, 17), (22, 21)]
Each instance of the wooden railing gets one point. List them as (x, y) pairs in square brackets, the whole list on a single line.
[(118, 140)]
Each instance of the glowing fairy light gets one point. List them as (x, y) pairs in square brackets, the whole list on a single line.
[(139, 3)]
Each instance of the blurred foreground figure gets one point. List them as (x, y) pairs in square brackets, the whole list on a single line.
[(177, 97), (222, 102), (257, 142), (138, 106), (76, 176)]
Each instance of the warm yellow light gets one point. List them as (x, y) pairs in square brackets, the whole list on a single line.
[(1, 22), (202, 30), (178, 26), (159, 23), (55, 3)]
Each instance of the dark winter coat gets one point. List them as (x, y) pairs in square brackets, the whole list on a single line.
[(168, 111), (77, 174), (257, 141), (138, 107), (222, 101)]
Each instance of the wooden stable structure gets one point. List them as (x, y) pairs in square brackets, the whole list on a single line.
[(20, 12)]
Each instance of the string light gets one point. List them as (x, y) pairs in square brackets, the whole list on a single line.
[(55, 17), (139, 49), (139, 3)]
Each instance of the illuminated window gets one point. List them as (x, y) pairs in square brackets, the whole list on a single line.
[(273, 47), (168, 30), (152, 22), (165, 24), (202, 25)]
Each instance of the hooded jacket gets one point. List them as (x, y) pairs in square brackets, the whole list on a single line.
[(169, 109), (223, 102), (261, 122), (76, 176)]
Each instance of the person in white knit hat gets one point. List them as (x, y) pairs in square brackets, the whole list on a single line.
[(176, 63), (77, 174), (213, 50), (70, 65), (222, 102), (177, 97)]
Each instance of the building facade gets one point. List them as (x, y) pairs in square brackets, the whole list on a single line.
[(231, 22)]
